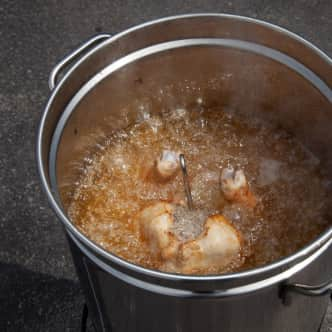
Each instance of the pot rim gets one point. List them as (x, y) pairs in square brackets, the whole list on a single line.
[(70, 227)]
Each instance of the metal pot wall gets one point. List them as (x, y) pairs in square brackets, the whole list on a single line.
[(244, 65)]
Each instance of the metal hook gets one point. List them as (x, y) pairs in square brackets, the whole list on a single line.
[(186, 182)]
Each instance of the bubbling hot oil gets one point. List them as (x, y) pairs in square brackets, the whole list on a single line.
[(285, 177)]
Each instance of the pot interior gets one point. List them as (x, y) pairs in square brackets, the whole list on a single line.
[(241, 78)]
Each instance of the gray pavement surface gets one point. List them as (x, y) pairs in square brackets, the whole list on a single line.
[(38, 287)]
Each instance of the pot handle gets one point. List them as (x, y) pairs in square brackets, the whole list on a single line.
[(317, 290), (53, 79), (307, 290)]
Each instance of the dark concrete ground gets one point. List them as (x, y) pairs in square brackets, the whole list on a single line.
[(38, 287)]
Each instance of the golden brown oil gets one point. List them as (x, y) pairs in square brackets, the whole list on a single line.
[(284, 176)]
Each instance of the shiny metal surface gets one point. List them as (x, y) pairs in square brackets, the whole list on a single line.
[(126, 307), (62, 160), (278, 72), (186, 182), (70, 58), (317, 290)]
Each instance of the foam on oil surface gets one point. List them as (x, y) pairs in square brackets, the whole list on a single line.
[(293, 196)]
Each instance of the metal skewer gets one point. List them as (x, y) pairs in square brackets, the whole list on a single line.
[(186, 182)]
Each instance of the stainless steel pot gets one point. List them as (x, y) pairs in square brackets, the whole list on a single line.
[(243, 64)]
